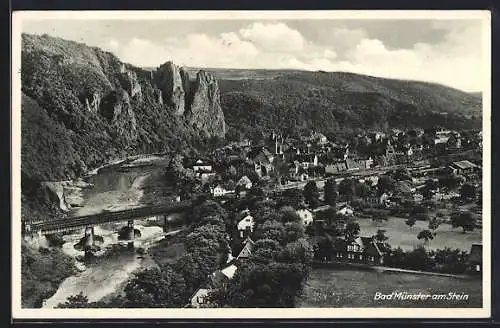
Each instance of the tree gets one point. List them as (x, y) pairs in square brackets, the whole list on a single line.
[(346, 188), (450, 181), (311, 193), (426, 235), (361, 190), (411, 221), (465, 220), (75, 301), (156, 288), (351, 230), (380, 236), (385, 184), (467, 191), (434, 223), (280, 169), (330, 192)]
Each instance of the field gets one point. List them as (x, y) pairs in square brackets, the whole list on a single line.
[(401, 235), (357, 288)]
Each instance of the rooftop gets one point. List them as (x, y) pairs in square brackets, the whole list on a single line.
[(464, 164)]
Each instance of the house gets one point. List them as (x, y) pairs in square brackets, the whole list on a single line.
[(463, 167), (351, 165), (246, 250), (201, 165), (246, 225), (304, 176), (199, 298), (220, 190), (364, 250), (262, 160), (366, 163), (222, 276), (244, 182), (377, 200), (306, 216), (345, 210), (319, 138), (307, 160), (336, 168), (475, 259)]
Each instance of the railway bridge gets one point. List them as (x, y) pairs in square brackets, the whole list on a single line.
[(89, 221)]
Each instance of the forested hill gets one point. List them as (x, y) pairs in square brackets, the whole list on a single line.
[(82, 106), (333, 102)]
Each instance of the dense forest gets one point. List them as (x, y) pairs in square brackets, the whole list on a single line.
[(341, 102)]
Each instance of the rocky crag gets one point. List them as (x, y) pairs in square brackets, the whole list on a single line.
[(82, 106)]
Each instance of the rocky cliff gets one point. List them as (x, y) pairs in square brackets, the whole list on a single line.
[(204, 110), (92, 107)]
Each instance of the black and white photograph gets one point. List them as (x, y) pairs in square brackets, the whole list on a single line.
[(281, 164)]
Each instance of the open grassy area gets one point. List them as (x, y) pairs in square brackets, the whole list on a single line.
[(357, 288), (402, 235)]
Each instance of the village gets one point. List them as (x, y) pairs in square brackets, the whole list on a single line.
[(342, 191)]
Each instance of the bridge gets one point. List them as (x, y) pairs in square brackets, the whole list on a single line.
[(77, 222)]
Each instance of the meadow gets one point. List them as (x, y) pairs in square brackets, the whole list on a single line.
[(405, 237), (357, 288)]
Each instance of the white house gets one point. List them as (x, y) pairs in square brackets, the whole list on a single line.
[(245, 182), (306, 216), (346, 210), (246, 224), (219, 191), (200, 165), (199, 298)]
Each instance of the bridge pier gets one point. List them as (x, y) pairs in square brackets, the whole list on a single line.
[(131, 233), (88, 241)]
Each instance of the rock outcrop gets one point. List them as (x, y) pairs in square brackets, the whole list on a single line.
[(54, 192), (129, 82), (205, 111), (169, 80), (93, 101), (117, 110)]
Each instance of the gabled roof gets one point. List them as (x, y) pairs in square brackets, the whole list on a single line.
[(247, 249), (200, 292), (229, 271), (244, 180), (464, 164)]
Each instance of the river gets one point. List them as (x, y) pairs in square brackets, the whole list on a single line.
[(115, 187)]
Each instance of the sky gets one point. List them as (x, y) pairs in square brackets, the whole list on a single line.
[(447, 51)]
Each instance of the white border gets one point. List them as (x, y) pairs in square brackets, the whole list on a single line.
[(301, 313)]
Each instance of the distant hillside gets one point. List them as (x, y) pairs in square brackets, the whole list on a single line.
[(339, 102)]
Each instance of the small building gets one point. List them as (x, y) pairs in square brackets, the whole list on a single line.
[(346, 210), (463, 167), (201, 165), (306, 216), (244, 182), (307, 160), (475, 259), (221, 277), (219, 191), (246, 225), (364, 250), (199, 298)]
